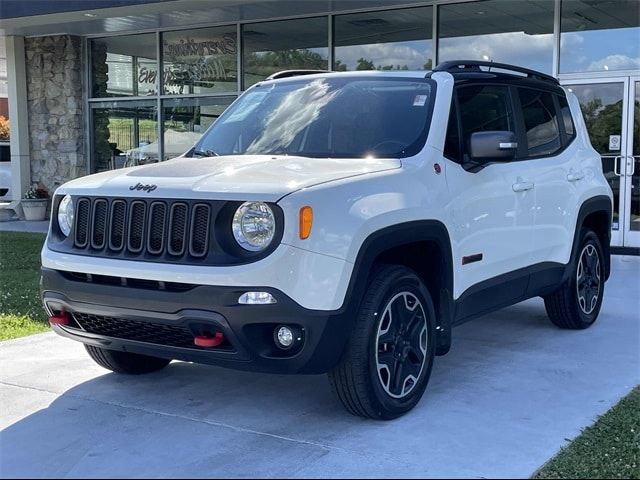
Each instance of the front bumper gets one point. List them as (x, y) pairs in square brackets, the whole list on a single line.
[(142, 308)]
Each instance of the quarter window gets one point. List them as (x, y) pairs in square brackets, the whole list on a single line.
[(540, 122), (484, 108), (567, 120)]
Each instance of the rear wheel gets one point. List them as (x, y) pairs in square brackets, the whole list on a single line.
[(387, 363), (125, 362), (576, 304)]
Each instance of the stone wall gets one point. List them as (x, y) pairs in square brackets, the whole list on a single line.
[(54, 94)]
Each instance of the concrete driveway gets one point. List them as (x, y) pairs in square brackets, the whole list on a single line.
[(510, 393)]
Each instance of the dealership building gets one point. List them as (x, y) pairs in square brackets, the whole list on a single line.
[(104, 84)]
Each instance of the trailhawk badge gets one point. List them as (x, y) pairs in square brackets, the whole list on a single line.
[(146, 188)]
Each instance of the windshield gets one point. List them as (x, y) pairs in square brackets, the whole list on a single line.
[(343, 117)]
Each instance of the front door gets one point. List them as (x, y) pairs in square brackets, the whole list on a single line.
[(611, 112)]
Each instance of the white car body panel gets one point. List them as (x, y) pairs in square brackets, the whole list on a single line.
[(248, 177), (314, 281)]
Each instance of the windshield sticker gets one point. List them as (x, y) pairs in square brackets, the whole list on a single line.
[(419, 101)]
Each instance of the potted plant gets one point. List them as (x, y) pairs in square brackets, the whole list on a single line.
[(34, 204)]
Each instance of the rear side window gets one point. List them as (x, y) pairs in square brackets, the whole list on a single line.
[(567, 120), (484, 108), (542, 132)]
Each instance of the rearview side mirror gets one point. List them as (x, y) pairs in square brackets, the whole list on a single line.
[(496, 146)]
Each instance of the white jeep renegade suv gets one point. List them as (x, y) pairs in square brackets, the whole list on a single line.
[(340, 223)]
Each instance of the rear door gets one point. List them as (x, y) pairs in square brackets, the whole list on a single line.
[(554, 168)]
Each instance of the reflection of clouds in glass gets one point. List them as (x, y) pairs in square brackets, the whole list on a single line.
[(517, 48), (297, 110), (615, 62), (413, 54), (600, 50)]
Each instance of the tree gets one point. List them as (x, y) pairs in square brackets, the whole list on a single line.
[(364, 64)]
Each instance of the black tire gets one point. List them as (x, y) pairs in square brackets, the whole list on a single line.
[(125, 362), (356, 380), (576, 304)]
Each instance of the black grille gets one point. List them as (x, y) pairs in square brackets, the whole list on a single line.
[(82, 222), (144, 228), (172, 335), (117, 224), (98, 235), (148, 332), (200, 221)]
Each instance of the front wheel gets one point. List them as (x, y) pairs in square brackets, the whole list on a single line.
[(576, 304), (387, 362)]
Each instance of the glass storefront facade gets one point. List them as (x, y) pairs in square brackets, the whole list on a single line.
[(152, 94)]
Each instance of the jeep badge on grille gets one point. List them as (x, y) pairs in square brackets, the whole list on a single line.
[(146, 188)]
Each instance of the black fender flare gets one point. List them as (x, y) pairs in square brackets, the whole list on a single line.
[(600, 203), (396, 236)]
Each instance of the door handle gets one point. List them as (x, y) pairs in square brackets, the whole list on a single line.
[(575, 176), (616, 170), (522, 186), (631, 168)]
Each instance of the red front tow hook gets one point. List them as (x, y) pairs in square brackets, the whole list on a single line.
[(209, 342), (62, 318)]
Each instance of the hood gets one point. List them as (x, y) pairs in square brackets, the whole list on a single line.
[(242, 177)]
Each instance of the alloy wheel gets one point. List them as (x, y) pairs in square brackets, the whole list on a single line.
[(588, 279), (401, 344)]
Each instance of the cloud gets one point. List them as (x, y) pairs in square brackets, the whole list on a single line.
[(615, 62), (413, 54), (516, 48)]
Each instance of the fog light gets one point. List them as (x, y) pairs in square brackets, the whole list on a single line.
[(284, 337), (256, 298)]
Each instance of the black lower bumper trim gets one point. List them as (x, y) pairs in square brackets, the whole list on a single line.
[(157, 323)]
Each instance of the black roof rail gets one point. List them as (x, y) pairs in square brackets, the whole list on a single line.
[(294, 73), (461, 66)]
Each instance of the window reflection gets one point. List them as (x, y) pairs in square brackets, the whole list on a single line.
[(599, 36), (124, 66), (284, 45), (185, 120), (121, 131), (516, 32), (387, 40), (200, 61)]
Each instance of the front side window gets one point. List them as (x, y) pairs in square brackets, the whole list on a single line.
[(346, 117), (540, 122), (484, 108)]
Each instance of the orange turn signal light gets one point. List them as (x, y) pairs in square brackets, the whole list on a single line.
[(306, 221)]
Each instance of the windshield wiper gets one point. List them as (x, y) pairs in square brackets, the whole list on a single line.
[(205, 153)]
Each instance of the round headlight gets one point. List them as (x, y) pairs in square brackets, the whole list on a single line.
[(65, 215), (254, 226)]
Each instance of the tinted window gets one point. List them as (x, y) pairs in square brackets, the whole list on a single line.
[(540, 122), (484, 108), (387, 40), (284, 45), (452, 141), (326, 117), (599, 36), (124, 66), (567, 120), (519, 32)]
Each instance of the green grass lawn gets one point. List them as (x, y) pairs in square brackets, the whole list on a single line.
[(608, 449), (21, 312)]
